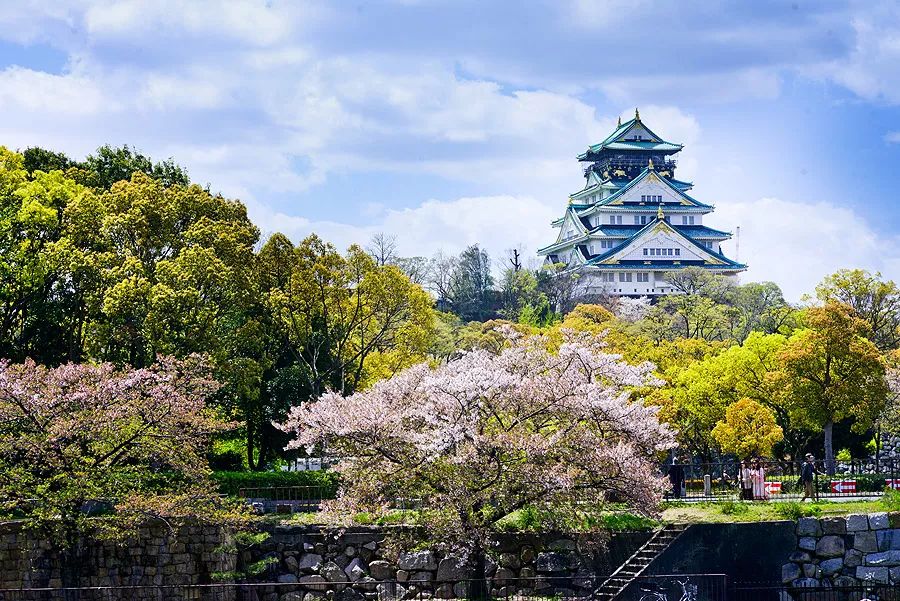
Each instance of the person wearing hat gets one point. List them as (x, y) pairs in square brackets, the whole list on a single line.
[(808, 477)]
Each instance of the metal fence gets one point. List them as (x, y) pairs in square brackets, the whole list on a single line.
[(682, 587), (767, 592), (781, 479)]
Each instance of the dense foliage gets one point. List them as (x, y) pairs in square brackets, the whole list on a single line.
[(119, 259), (78, 438), (488, 434)]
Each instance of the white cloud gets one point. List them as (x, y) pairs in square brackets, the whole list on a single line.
[(892, 137), (254, 22), (870, 69), (797, 244), (496, 223), (26, 91)]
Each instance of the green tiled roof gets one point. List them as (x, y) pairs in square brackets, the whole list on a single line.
[(611, 142)]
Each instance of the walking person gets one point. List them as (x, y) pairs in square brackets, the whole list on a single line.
[(676, 478), (746, 482), (758, 477), (808, 475)]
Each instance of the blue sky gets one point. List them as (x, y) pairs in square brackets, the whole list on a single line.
[(447, 123)]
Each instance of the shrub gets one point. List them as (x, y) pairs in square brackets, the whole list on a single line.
[(891, 499), (227, 461), (793, 511), (231, 482), (844, 456), (732, 507)]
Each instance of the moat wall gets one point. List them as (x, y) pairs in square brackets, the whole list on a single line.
[(305, 560)]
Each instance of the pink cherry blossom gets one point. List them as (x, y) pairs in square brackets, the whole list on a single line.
[(486, 434)]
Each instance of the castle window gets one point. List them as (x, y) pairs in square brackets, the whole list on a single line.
[(625, 276), (643, 277), (612, 219), (646, 252), (618, 219), (677, 252)]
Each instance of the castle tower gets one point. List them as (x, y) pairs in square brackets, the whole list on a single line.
[(633, 221)]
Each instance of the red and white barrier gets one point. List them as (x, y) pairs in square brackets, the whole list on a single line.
[(895, 483), (843, 486), (773, 488)]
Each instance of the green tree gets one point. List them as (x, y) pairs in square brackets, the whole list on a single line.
[(748, 430), (871, 298), (834, 372), (110, 165), (470, 285), (182, 264), (40, 159)]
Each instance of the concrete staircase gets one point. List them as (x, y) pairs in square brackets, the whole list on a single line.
[(637, 563)]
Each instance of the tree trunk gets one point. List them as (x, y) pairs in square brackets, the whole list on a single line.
[(829, 447), (480, 589)]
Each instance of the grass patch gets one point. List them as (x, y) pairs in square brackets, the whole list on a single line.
[(759, 511)]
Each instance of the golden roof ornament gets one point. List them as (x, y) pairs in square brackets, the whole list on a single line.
[(620, 121), (659, 212), (637, 115), (650, 164)]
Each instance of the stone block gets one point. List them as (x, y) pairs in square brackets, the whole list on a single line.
[(445, 591), (290, 564), (872, 574), (503, 576), (419, 560), (422, 577), (287, 578), (549, 562), (527, 555), (894, 574), (313, 581), (333, 572), (810, 570), (853, 558), (830, 567), (453, 568), (563, 544), (835, 525), (349, 595), (382, 570), (878, 521), (857, 522), (790, 572), (830, 546), (388, 591), (807, 543), (806, 583), (461, 590), (355, 570), (808, 527), (888, 539), (510, 560), (885, 558), (309, 562), (800, 557), (867, 542)]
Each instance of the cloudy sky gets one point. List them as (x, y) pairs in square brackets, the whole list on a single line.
[(451, 122)]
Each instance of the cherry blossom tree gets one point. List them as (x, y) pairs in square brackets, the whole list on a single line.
[(632, 309), (491, 433), (82, 439)]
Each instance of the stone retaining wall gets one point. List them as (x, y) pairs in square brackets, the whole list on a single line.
[(153, 558), (362, 560), (305, 561), (845, 551)]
